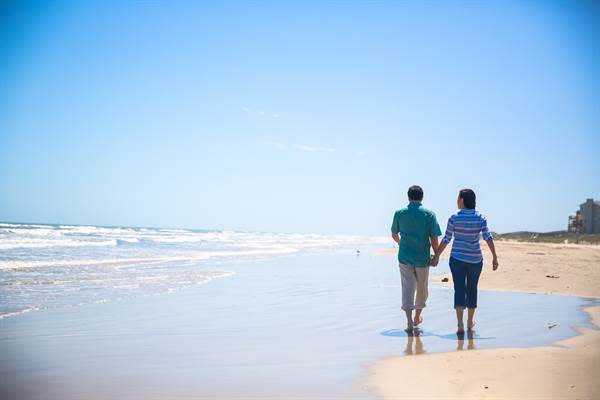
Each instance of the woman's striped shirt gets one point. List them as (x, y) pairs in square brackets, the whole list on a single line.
[(465, 226)]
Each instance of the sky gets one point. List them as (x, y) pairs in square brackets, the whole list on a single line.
[(308, 117)]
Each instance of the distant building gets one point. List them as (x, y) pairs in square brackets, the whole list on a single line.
[(586, 219)]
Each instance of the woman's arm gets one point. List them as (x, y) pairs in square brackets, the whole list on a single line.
[(489, 239), (396, 238), (492, 247), (441, 248)]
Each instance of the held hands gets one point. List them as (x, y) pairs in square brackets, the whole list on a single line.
[(434, 261), (495, 264)]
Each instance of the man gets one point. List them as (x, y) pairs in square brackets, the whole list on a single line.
[(416, 230)]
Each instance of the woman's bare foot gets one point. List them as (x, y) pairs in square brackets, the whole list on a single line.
[(417, 320), (470, 325)]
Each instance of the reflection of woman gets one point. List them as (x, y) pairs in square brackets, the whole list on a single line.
[(461, 341), (466, 259)]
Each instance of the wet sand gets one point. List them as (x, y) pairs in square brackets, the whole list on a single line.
[(565, 370), (299, 326)]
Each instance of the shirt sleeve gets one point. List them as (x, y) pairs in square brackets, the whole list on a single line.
[(449, 231), (484, 229), (395, 224), (435, 230)]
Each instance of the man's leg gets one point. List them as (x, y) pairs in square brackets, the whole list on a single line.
[(409, 344), (422, 275), (409, 283)]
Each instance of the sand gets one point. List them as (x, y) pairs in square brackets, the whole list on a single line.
[(566, 370)]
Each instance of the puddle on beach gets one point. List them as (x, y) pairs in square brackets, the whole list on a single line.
[(305, 325)]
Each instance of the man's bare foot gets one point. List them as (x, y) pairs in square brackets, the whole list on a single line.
[(470, 325), (461, 328), (409, 328), (418, 320)]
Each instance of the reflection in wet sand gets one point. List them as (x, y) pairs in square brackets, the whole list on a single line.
[(414, 337), (461, 340), (414, 343)]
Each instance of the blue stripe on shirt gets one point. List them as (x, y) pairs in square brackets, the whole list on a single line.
[(465, 226)]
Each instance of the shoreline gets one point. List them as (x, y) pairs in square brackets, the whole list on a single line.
[(564, 369)]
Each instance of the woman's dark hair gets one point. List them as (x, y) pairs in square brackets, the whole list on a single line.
[(468, 197), (415, 193)]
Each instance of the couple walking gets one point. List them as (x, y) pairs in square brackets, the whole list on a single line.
[(416, 230)]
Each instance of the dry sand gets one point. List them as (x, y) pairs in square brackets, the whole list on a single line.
[(567, 370)]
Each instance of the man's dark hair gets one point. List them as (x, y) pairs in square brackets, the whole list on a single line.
[(468, 197), (415, 193)]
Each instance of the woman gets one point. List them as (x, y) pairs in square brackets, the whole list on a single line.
[(466, 259)]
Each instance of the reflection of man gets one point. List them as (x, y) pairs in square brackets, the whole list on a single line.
[(414, 338), (416, 230)]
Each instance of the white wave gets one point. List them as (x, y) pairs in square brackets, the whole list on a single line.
[(95, 230), (32, 232), (19, 236), (28, 264), (175, 230), (22, 264), (3, 224), (7, 244), (14, 313), (176, 236), (128, 240)]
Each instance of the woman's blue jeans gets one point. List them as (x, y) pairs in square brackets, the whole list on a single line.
[(465, 276)]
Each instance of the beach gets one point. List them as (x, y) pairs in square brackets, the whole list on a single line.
[(565, 370), (142, 313), (239, 200)]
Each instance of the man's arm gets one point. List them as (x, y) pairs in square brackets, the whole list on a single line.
[(435, 242), (434, 233), (395, 229)]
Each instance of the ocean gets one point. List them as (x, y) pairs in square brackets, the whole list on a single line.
[(50, 266)]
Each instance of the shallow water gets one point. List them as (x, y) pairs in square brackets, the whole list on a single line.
[(306, 325)]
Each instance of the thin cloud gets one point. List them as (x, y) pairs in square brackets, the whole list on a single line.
[(303, 147), (260, 113), (277, 145)]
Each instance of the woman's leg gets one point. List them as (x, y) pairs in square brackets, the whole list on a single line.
[(459, 320), (459, 279), (470, 315), (472, 275)]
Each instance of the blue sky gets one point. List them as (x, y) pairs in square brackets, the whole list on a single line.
[(306, 117)]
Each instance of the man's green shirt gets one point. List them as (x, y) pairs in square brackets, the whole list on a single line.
[(416, 225)]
